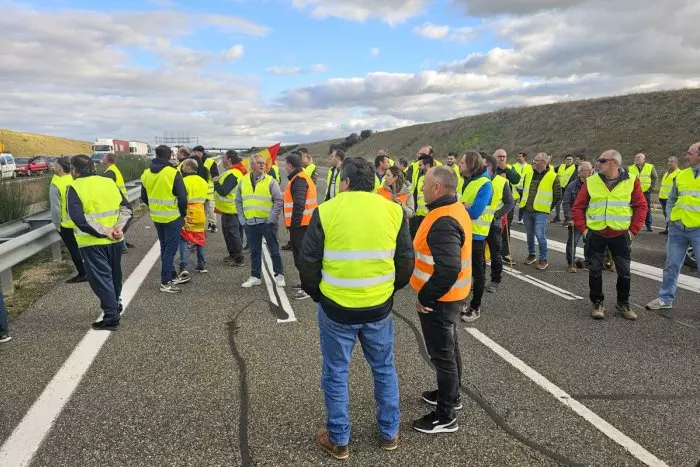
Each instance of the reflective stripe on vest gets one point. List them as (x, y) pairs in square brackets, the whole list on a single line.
[(119, 178), (208, 163), (62, 183), (162, 203), (565, 174), (644, 176), (360, 230), (425, 263), (257, 203), (545, 192), (336, 187), (482, 224), (687, 207), (101, 199), (197, 189), (609, 209), (309, 205), (227, 204), (667, 183)]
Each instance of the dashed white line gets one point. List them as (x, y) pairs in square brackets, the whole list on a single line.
[(587, 414), (19, 449)]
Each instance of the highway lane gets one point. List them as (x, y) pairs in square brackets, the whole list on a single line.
[(211, 377)]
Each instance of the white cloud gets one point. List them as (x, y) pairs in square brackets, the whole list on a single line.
[(285, 70), (514, 7), (234, 53), (390, 11), (319, 68), (443, 32), (374, 51), (162, 3)]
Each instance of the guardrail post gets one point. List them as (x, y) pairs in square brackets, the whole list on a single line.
[(6, 281), (56, 251)]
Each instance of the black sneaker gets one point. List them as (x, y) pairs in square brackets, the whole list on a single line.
[(430, 397), (287, 247), (649, 229), (102, 326), (492, 287), (130, 245), (471, 315), (432, 424), (201, 269), (531, 259), (77, 279)]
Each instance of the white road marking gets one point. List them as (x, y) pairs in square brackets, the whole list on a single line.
[(563, 293), (269, 284), (684, 281), (19, 449), (591, 417), (286, 306)]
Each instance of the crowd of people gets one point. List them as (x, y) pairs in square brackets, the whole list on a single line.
[(372, 230)]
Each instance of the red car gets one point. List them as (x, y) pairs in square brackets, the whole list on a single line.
[(31, 166)]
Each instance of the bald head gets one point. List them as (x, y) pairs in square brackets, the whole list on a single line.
[(439, 181), (609, 163)]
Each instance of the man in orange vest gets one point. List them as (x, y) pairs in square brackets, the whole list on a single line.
[(442, 278), (299, 204)]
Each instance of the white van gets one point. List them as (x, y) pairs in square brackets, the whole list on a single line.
[(8, 169)]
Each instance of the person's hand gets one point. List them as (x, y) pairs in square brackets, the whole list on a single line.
[(422, 309), (118, 233), (215, 179), (110, 234), (585, 233)]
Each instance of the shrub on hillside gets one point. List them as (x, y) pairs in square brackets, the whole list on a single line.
[(364, 134)]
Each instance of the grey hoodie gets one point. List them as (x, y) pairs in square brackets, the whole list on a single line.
[(407, 208)]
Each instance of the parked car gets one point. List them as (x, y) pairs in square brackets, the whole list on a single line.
[(31, 166), (8, 168), (50, 163)]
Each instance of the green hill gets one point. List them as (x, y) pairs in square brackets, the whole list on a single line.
[(31, 144), (659, 124)]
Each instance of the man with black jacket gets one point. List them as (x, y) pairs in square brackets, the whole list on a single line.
[(442, 278), (356, 254), (513, 177)]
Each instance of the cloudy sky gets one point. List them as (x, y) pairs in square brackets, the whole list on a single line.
[(254, 72)]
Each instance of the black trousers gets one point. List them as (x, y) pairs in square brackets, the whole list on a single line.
[(232, 236), (414, 224), (620, 249), (296, 237), (494, 242), (478, 272), (68, 238), (104, 273), (440, 335)]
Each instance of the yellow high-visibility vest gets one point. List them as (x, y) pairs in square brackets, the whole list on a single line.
[(687, 207), (521, 171), (227, 204), (360, 231), (482, 224), (101, 200), (328, 183), (162, 203), (667, 183), (118, 176), (257, 203), (62, 183), (606, 208), (421, 208), (565, 174), (644, 176), (208, 163), (545, 191)]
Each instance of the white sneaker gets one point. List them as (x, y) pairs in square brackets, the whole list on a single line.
[(658, 304), (251, 282), (279, 279)]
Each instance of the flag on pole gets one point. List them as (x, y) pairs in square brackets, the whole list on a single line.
[(269, 154)]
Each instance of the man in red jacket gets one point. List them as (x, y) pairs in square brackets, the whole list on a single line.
[(609, 210)]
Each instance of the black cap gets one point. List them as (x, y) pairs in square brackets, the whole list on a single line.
[(198, 149)]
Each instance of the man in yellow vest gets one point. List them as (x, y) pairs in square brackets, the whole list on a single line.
[(609, 209), (113, 173), (566, 172), (666, 185), (60, 182), (522, 166), (299, 204), (164, 192), (502, 203), (226, 187), (476, 198), (356, 254), (425, 163), (541, 192), (403, 165), (506, 170), (337, 157), (207, 169), (646, 173), (101, 214), (194, 226), (683, 206), (259, 204), (308, 164), (442, 278), (381, 165), (274, 172)]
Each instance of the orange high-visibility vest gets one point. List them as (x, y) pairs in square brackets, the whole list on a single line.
[(310, 205), (424, 260), (386, 192)]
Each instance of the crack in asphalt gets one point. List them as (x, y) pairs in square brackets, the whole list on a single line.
[(488, 408)]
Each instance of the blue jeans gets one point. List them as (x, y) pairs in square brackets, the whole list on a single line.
[(649, 219), (255, 234), (676, 246), (377, 341), (185, 254), (169, 237), (571, 244), (536, 225), (4, 326)]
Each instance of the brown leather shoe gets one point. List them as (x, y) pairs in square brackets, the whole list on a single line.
[(390, 444), (339, 452)]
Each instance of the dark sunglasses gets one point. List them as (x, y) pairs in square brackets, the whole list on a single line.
[(603, 161)]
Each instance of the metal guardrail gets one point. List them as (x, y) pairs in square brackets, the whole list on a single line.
[(41, 234)]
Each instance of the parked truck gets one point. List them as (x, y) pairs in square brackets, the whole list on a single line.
[(104, 145), (139, 148)]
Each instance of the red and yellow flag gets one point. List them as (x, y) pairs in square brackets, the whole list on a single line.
[(270, 155)]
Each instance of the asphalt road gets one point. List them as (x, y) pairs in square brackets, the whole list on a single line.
[(218, 375)]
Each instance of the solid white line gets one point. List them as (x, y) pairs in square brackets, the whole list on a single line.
[(684, 281), (565, 294), (268, 284), (591, 417), (286, 306), (19, 449)]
